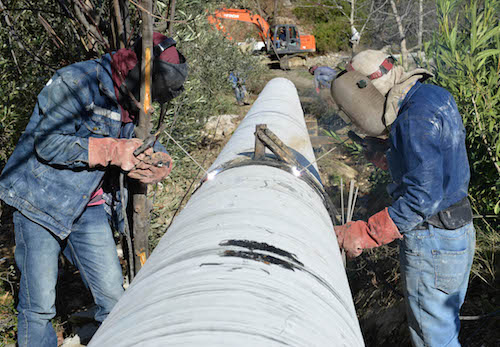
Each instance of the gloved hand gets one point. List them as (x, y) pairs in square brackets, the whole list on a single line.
[(152, 169), (377, 158), (375, 151), (317, 90), (355, 236), (118, 152)]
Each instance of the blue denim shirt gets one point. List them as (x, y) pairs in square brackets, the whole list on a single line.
[(427, 156), (324, 73), (235, 80), (47, 178)]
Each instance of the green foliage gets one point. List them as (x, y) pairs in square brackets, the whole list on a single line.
[(8, 319), (210, 57), (465, 58), (352, 147), (331, 27), (331, 36), (28, 57)]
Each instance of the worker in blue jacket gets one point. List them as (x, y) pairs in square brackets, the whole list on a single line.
[(79, 135), (239, 88), (430, 214)]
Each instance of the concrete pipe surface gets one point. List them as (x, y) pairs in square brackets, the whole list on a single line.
[(252, 260)]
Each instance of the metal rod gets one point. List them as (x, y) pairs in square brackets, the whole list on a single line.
[(342, 199), (353, 203), (349, 201)]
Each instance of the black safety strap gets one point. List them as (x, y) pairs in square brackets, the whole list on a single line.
[(163, 46)]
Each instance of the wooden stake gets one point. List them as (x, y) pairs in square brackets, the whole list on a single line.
[(141, 205)]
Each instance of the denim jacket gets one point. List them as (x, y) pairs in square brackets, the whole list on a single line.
[(427, 156), (47, 178)]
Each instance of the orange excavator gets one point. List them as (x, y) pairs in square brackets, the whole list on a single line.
[(282, 41)]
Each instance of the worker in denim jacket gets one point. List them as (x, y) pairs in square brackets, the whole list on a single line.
[(80, 134), (323, 76), (430, 213)]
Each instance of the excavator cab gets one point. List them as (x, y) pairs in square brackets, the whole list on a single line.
[(286, 39)]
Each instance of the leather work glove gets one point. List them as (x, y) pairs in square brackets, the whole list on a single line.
[(377, 158), (375, 151), (118, 152), (152, 169), (355, 236)]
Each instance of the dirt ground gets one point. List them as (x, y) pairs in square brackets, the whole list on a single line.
[(374, 276)]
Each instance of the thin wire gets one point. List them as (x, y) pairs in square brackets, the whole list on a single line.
[(176, 113), (304, 168), (195, 177), (194, 160)]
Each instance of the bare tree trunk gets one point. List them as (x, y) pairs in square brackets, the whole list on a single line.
[(126, 19), (402, 36), (172, 17), (119, 25), (353, 29), (141, 205), (275, 12), (420, 28)]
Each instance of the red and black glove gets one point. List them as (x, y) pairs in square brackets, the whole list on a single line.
[(355, 236)]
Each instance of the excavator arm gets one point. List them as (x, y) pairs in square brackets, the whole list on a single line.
[(243, 16)]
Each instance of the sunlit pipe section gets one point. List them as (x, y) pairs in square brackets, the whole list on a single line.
[(252, 260)]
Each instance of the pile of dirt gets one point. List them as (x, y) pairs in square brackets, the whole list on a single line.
[(334, 60)]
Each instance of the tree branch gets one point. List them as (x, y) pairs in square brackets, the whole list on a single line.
[(20, 41)]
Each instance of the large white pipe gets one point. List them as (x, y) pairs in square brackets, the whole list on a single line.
[(252, 260)]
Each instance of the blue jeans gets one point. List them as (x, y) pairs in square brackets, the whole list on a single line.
[(90, 246), (435, 266), (240, 93)]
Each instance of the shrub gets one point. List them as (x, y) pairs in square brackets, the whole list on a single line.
[(465, 58), (331, 28)]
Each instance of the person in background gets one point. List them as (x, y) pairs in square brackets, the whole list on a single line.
[(238, 85), (323, 76), (281, 38), (430, 214), (79, 137)]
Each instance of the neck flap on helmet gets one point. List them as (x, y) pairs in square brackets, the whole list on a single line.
[(167, 78)]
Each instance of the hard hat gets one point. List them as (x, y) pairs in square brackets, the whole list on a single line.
[(357, 97), (313, 68)]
